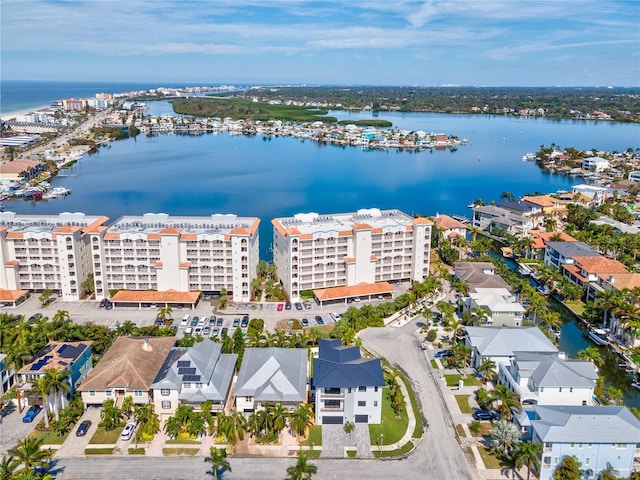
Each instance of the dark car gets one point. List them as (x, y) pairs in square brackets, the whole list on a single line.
[(33, 411), (212, 320), (236, 322), (103, 302), (194, 321), (219, 321), (287, 306), (485, 415), (108, 305), (319, 320), (245, 321), (305, 322), (83, 428), (224, 332), (298, 306), (35, 317)]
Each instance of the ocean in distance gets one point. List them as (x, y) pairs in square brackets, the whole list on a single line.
[(272, 177)]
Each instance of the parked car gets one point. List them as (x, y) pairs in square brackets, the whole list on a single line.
[(219, 321), (108, 305), (194, 321), (206, 331), (485, 415), (336, 316), (304, 322), (35, 317), (319, 320), (103, 302), (214, 332), (280, 307), (83, 428), (236, 322), (298, 306), (224, 332), (203, 321), (33, 411), (287, 306), (307, 305), (188, 331), (245, 321), (212, 320), (127, 431), (197, 330), (185, 320), (444, 354)]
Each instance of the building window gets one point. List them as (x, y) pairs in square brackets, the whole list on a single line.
[(375, 389), (362, 389), (362, 403), (332, 403), (555, 460), (137, 393), (164, 392), (586, 461), (248, 399), (186, 385), (375, 403), (92, 393), (542, 389), (107, 393), (547, 461), (166, 404), (573, 445), (199, 385)]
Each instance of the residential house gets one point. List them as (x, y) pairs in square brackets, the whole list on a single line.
[(7, 375), (500, 343), (619, 227), (128, 368), (597, 195), (489, 217), (449, 227), (595, 164), (348, 387), (540, 240), (193, 375), (479, 275), (557, 254), (549, 378), (72, 356), (550, 205), (586, 270), (272, 375), (599, 436), (503, 310), (524, 208)]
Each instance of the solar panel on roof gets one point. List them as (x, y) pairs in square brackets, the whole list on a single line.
[(186, 371), (191, 378), (184, 363)]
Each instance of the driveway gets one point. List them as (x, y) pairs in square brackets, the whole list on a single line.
[(74, 446), (12, 429)]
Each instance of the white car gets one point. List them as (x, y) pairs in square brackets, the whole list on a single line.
[(127, 431), (203, 321), (336, 316), (188, 331), (185, 320)]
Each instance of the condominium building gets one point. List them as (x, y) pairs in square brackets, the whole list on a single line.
[(312, 251), (47, 252), (156, 251)]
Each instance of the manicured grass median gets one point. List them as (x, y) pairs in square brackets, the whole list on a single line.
[(105, 437), (98, 451), (180, 451), (468, 381), (136, 451), (419, 428), (463, 403), (182, 441), (406, 448), (434, 364), (391, 427)]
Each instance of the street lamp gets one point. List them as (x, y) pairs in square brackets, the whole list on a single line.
[(380, 443)]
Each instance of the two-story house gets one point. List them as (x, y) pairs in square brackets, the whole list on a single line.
[(192, 376), (598, 436), (548, 378), (72, 356), (128, 368), (557, 254), (478, 275), (503, 310), (348, 387), (271, 375)]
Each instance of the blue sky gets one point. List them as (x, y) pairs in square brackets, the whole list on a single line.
[(480, 42)]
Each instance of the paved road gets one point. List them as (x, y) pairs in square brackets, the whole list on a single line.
[(438, 457)]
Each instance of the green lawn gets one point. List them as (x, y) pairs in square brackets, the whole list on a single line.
[(460, 431), (463, 403), (419, 428), (314, 437), (351, 453), (136, 451), (49, 437), (434, 364), (180, 451), (576, 305), (406, 448), (104, 437), (182, 441), (491, 462), (98, 451), (391, 428), (468, 380)]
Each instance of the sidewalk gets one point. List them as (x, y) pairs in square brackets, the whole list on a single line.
[(408, 435)]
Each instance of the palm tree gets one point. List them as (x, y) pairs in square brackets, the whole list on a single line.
[(278, 418), (61, 316), (527, 454), (56, 380), (507, 399), (300, 419), (30, 456), (301, 470), (591, 354), (507, 197), (172, 426), (8, 467), (486, 367), (125, 329), (44, 391), (218, 460), (505, 438), (165, 312), (537, 306)]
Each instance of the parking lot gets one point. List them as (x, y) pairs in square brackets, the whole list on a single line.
[(13, 429)]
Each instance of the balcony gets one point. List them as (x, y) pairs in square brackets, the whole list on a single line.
[(331, 395), (332, 409)]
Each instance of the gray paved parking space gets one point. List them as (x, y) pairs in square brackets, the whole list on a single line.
[(12, 429), (74, 446)]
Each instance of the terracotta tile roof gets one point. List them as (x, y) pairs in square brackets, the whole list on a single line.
[(15, 235), (158, 264), (622, 280), (598, 264), (18, 166), (376, 230), (11, 295), (409, 228), (362, 226), (185, 264), (540, 239), (306, 236), (445, 222), (10, 263), (170, 231), (188, 236), (67, 229), (349, 260), (97, 226), (422, 221), (151, 296), (111, 236), (55, 355), (128, 363), (545, 201), (576, 272), (153, 236), (362, 289), (345, 233)]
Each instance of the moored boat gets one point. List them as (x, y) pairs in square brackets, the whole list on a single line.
[(598, 336)]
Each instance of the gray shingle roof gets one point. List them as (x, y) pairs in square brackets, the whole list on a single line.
[(273, 374), (572, 249), (586, 424), (549, 370), (203, 361), (504, 341), (338, 366)]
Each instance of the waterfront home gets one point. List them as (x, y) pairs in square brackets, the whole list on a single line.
[(449, 227), (500, 343), (72, 356), (550, 205), (18, 172), (596, 194), (540, 240), (501, 306), (356, 249), (489, 217), (595, 164), (584, 271), (549, 378), (348, 388), (525, 209), (191, 376), (600, 437), (478, 275), (619, 227), (128, 368), (271, 375), (39, 252), (557, 254)]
